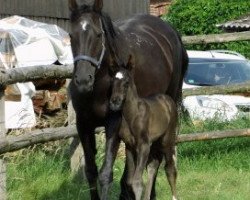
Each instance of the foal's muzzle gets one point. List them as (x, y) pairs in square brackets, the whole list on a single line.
[(115, 104)]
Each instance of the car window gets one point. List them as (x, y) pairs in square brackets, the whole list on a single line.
[(217, 73)]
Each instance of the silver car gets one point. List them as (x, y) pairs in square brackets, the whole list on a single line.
[(210, 68)]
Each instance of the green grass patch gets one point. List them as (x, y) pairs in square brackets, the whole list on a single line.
[(210, 170)]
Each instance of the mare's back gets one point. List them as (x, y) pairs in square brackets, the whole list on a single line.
[(157, 50)]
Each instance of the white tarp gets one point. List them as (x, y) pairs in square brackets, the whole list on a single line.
[(24, 43)]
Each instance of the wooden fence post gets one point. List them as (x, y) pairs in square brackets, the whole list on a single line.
[(3, 195)]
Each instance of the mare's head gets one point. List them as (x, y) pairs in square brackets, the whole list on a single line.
[(120, 84), (88, 41)]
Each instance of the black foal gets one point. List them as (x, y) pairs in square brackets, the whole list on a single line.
[(149, 131)]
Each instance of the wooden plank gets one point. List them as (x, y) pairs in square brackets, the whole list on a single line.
[(240, 88), (26, 74), (213, 135), (14, 143), (65, 71), (3, 195)]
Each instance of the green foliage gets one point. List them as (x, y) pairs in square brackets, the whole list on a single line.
[(195, 17)]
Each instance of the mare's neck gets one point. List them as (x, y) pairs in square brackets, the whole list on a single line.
[(118, 48)]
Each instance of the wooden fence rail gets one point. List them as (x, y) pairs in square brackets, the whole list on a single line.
[(14, 143), (241, 88), (26, 74)]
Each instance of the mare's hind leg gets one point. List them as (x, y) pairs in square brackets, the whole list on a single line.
[(171, 169), (87, 138), (154, 161)]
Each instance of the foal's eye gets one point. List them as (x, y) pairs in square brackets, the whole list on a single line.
[(126, 84), (99, 35)]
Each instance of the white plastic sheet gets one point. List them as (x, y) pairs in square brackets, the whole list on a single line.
[(23, 43)]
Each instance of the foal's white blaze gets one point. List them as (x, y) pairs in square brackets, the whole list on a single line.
[(119, 75), (84, 25)]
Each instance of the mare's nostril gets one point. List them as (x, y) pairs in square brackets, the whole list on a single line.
[(76, 80)]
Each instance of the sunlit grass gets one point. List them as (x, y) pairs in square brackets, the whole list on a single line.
[(211, 170)]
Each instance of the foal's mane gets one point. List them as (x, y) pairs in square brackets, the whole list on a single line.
[(107, 24)]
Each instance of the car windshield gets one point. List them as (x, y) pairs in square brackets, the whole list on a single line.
[(207, 72)]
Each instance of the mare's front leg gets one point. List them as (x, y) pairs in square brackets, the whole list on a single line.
[(87, 137), (112, 144)]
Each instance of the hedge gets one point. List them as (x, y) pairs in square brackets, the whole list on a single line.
[(194, 17)]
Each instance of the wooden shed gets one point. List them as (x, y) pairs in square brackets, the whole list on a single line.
[(56, 11)]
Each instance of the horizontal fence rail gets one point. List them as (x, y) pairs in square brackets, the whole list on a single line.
[(25, 74), (14, 143), (237, 88)]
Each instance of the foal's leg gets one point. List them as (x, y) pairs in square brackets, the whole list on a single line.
[(126, 187), (142, 153), (112, 145), (171, 170), (130, 163), (87, 137), (154, 161)]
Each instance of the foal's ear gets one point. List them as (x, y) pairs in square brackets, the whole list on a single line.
[(72, 5), (130, 64), (98, 4)]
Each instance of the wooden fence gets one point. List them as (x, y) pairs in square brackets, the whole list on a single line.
[(8, 143)]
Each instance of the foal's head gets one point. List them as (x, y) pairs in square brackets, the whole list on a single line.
[(122, 80), (119, 89)]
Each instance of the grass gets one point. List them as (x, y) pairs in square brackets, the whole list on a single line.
[(211, 170)]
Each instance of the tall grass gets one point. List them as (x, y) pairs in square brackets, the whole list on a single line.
[(211, 170)]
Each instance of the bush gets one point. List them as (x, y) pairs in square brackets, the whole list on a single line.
[(194, 17)]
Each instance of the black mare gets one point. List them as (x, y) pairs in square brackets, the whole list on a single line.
[(98, 46)]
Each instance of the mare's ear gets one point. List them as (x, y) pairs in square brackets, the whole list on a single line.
[(72, 5), (130, 64), (98, 4)]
